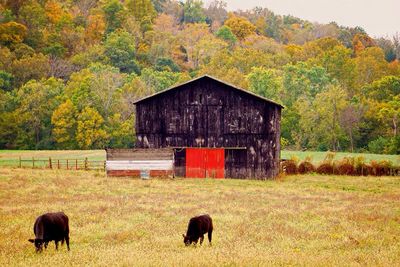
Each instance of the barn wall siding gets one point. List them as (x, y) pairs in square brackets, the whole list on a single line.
[(208, 113), (131, 162)]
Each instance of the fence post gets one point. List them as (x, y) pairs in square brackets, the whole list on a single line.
[(104, 165), (58, 164), (86, 164), (50, 163), (20, 162), (33, 162), (67, 165), (76, 164)]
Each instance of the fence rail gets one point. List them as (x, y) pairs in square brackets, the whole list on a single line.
[(65, 164)]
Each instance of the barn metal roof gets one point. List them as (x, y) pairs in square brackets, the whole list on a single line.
[(213, 78)]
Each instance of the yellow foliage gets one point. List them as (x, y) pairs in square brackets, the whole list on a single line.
[(240, 26), (12, 32)]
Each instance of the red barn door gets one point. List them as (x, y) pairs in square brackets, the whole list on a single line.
[(205, 162)]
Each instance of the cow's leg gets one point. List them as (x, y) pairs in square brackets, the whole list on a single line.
[(210, 236), (201, 239), (45, 244), (67, 241)]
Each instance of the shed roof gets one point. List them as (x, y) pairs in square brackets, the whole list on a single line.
[(212, 78)]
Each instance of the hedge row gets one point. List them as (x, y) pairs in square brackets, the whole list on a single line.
[(346, 166)]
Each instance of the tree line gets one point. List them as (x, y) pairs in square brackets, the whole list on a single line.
[(70, 71)]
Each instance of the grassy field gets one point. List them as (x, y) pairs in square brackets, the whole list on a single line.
[(298, 220), (11, 157)]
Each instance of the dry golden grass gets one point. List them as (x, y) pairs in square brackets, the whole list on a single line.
[(299, 220)]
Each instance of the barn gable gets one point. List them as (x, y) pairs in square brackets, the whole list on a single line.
[(182, 86)]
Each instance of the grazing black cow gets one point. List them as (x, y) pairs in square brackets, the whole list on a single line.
[(197, 227), (49, 227)]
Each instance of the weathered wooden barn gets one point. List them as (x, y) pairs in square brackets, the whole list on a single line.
[(216, 129)]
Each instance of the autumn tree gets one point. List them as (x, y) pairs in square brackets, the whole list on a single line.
[(95, 29), (12, 33), (240, 26), (63, 120), (216, 12), (142, 9), (90, 131), (362, 41)]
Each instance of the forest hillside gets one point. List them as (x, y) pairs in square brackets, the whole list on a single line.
[(71, 69)]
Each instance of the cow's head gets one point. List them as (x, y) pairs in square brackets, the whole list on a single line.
[(38, 244), (187, 240)]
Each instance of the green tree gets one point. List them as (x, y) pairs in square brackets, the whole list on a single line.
[(159, 80), (33, 15), (104, 86), (303, 80), (265, 82), (226, 34), (6, 81), (28, 68), (320, 126), (114, 14), (389, 114), (120, 49), (36, 101), (193, 11), (383, 89), (166, 64)]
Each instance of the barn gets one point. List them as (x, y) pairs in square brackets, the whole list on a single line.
[(215, 129)]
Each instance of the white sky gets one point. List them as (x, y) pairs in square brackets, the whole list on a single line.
[(377, 17)]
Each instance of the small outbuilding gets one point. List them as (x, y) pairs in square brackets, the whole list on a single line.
[(215, 129)]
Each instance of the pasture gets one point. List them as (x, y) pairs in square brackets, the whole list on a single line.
[(297, 220)]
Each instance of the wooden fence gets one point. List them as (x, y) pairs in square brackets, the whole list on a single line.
[(65, 164)]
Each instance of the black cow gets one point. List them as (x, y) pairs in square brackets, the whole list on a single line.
[(197, 227), (49, 227)]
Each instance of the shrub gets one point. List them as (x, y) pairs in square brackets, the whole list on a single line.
[(289, 167), (378, 146), (380, 168), (361, 168), (344, 168), (306, 167), (325, 168)]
